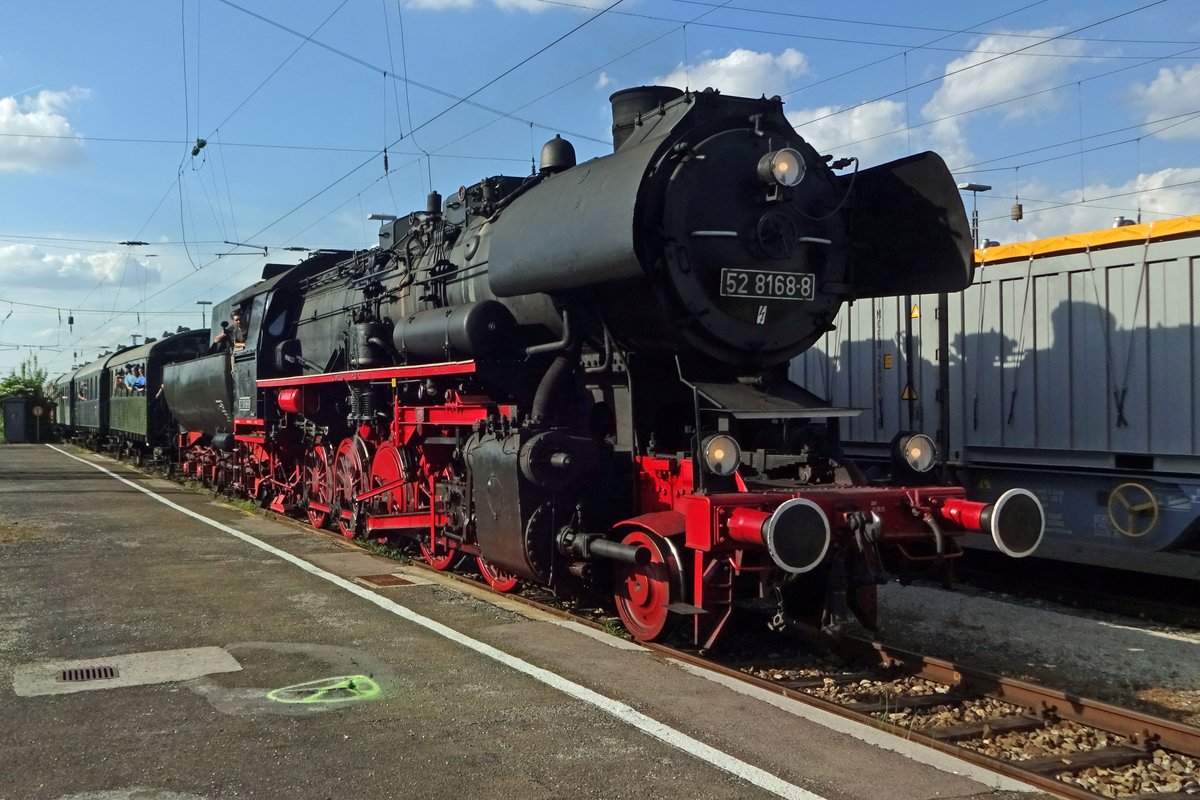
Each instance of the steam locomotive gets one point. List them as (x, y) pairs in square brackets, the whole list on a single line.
[(579, 378)]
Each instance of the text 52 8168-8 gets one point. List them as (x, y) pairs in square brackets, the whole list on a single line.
[(767, 284)]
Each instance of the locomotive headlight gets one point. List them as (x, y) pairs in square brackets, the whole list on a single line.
[(721, 454), (918, 452), (784, 167)]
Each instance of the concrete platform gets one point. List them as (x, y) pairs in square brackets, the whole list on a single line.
[(420, 690)]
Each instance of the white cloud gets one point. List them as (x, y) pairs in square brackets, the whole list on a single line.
[(1174, 91), (743, 73), (27, 265), (31, 118), (603, 81), (860, 131), (981, 78)]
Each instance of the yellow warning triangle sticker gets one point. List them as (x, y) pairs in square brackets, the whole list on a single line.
[(909, 393), (916, 312)]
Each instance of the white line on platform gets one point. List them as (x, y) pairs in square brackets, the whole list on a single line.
[(625, 713)]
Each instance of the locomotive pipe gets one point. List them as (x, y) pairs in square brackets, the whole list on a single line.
[(558, 373), (564, 343), (591, 546), (607, 362), (616, 551), (938, 537)]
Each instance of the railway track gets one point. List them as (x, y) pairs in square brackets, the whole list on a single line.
[(1064, 744)]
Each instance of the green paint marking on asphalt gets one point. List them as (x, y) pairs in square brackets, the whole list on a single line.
[(337, 689)]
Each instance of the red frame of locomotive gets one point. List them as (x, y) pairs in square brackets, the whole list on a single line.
[(702, 546)]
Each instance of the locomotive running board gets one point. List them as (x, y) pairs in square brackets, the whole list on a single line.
[(377, 374), (781, 401), (686, 609)]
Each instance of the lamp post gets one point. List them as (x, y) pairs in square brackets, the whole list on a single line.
[(974, 189), (203, 312)]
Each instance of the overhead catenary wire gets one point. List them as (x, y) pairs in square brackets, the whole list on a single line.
[(986, 61), (74, 310), (334, 149), (581, 76), (1016, 98), (255, 145), (905, 46), (438, 115), (1132, 192), (1174, 119), (412, 132), (428, 121), (408, 81), (188, 239), (199, 268), (179, 172), (899, 26)]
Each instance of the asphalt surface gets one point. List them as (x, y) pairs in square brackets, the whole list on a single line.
[(269, 673)]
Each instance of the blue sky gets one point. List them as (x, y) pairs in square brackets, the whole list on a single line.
[(1083, 109)]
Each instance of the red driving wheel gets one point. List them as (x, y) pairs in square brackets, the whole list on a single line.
[(440, 556), (318, 487), (350, 479), (256, 471), (386, 469), (497, 578)]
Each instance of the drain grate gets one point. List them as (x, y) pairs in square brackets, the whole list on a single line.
[(80, 674)]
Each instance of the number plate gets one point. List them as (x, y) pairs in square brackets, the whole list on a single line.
[(767, 285)]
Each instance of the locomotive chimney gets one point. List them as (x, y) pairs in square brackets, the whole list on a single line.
[(629, 104)]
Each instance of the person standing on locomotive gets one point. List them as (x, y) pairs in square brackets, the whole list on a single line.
[(234, 334)]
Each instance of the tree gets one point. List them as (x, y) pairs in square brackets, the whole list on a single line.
[(28, 379)]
